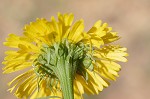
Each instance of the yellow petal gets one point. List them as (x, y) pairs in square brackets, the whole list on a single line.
[(21, 77), (117, 56), (16, 66), (76, 31), (87, 88), (67, 19)]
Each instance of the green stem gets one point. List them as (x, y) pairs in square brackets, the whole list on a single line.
[(65, 75)]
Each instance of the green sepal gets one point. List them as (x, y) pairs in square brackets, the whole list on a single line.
[(61, 62)]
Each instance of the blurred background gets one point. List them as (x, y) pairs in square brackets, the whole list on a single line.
[(131, 18)]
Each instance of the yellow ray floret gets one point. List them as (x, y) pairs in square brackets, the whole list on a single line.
[(45, 44)]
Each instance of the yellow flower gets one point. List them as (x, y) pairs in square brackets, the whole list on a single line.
[(62, 59)]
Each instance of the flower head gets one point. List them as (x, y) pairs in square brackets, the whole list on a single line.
[(62, 59)]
